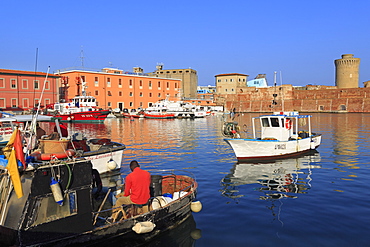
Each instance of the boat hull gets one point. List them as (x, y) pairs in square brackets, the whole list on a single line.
[(84, 117), (256, 149), (159, 116)]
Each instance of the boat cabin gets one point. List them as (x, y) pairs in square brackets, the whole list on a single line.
[(281, 126), (77, 104)]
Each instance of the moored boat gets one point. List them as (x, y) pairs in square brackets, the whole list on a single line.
[(279, 135), (80, 109), (7, 126), (159, 115), (105, 155), (61, 212)]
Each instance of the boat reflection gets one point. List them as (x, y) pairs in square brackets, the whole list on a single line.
[(276, 179)]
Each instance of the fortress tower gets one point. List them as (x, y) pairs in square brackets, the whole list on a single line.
[(347, 71)]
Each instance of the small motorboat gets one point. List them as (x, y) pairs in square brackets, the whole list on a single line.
[(275, 136)]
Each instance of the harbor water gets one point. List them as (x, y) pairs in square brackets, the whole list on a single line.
[(320, 199)]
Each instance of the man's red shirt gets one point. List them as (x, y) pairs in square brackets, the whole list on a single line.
[(137, 186)]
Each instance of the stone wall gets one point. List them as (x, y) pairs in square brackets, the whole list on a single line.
[(302, 99)]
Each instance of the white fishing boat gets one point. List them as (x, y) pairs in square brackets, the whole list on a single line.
[(6, 129), (278, 135)]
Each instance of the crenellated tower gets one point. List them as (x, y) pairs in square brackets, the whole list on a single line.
[(347, 71)]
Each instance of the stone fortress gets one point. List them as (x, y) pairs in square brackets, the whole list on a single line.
[(345, 96)]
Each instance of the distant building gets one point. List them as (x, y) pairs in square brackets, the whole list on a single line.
[(21, 90), (206, 89), (228, 83), (188, 77), (259, 81), (114, 88), (347, 71)]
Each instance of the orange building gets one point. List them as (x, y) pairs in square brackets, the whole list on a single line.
[(114, 88), (21, 90)]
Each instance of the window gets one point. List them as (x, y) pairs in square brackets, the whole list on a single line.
[(2, 82), (24, 84), (130, 94), (25, 103), (47, 102), (168, 85), (141, 83), (96, 82), (150, 84), (274, 122), (2, 103), (265, 122), (13, 83), (109, 93), (159, 95), (159, 84), (36, 84), (175, 85), (47, 85), (131, 104), (120, 93), (231, 80), (150, 94), (120, 82), (96, 92), (14, 102), (130, 83), (109, 104), (141, 94), (108, 82)]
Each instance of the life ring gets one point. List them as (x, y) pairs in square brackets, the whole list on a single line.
[(288, 123), (49, 156)]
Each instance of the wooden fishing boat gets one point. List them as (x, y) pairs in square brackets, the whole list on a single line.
[(159, 115), (57, 207), (275, 136)]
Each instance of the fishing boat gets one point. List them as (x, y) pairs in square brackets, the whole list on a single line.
[(133, 113), (158, 115), (52, 205), (105, 154), (275, 136), (7, 125)]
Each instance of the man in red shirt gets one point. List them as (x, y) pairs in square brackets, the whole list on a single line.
[(137, 185)]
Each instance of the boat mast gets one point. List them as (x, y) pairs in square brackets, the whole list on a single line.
[(282, 92)]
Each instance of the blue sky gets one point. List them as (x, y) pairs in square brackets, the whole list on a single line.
[(299, 38)]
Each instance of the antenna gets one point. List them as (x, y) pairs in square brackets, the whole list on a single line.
[(82, 56)]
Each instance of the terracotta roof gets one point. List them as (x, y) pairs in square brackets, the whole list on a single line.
[(231, 74)]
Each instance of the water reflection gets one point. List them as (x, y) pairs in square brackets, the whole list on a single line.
[(278, 179)]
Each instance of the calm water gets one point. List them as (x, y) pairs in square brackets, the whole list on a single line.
[(321, 199)]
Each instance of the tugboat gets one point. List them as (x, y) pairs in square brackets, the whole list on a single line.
[(81, 108)]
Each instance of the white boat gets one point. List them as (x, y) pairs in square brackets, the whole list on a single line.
[(180, 109), (279, 135), (6, 129)]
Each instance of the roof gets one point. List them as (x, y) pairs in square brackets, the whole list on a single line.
[(230, 74), (22, 72)]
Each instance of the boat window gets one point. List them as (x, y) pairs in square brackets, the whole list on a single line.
[(274, 122), (265, 122), (47, 210)]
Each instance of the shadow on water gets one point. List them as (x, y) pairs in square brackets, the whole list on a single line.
[(276, 179), (184, 235)]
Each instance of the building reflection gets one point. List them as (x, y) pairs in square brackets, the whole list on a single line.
[(277, 179)]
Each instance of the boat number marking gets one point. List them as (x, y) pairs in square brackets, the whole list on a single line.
[(280, 146)]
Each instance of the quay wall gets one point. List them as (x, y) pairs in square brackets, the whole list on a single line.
[(302, 99)]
